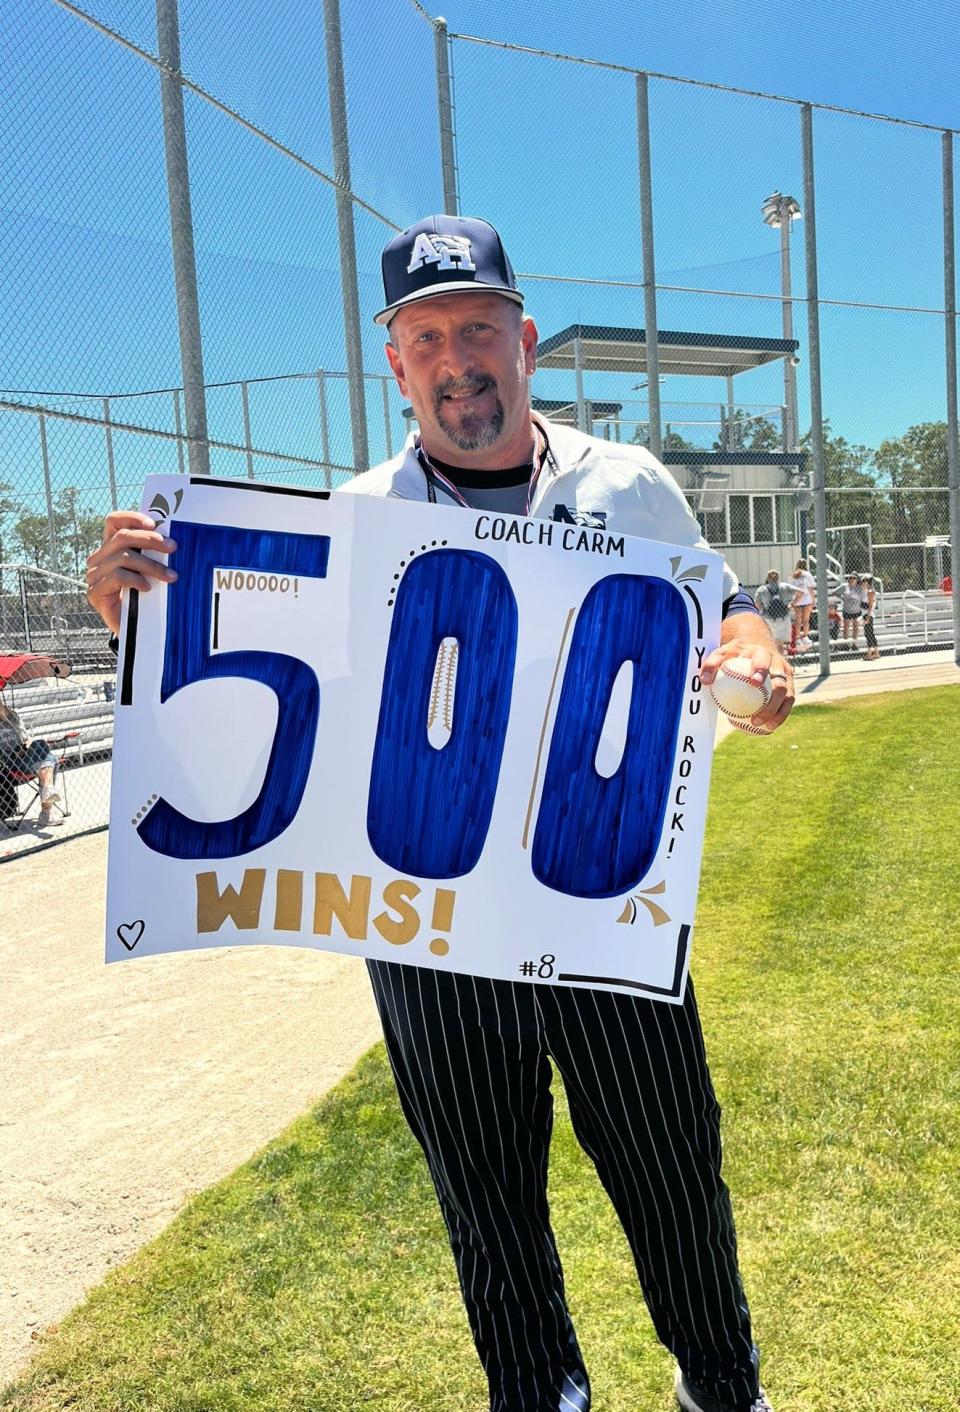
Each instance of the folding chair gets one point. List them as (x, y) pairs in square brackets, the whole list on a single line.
[(31, 782)]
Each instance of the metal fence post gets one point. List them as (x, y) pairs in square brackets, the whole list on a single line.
[(950, 321), (387, 430), (245, 399), (48, 488), (25, 610), (324, 426), (448, 156), (337, 98), (51, 514), (181, 233), (649, 269), (111, 469), (816, 401), (578, 368), (178, 428)]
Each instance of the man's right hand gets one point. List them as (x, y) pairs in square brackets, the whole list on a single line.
[(119, 563)]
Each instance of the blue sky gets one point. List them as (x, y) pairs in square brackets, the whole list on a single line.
[(546, 150), (881, 57)]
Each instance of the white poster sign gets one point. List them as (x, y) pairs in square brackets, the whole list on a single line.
[(444, 737)]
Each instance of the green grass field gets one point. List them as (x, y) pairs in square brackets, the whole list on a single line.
[(317, 1277)]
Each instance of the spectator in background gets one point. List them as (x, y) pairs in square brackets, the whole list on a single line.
[(833, 616), (868, 601), (803, 584), (851, 607), (28, 757), (775, 601)]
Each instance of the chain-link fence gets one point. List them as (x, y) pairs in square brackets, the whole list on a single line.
[(848, 343), (194, 207)]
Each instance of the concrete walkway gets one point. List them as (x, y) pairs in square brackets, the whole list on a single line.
[(129, 1087), (859, 678)]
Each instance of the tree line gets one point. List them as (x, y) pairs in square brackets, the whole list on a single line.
[(879, 485), (876, 486), (25, 534)]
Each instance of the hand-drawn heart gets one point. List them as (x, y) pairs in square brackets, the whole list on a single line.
[(132, 930)]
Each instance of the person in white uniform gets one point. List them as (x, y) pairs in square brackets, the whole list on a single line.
[(804, 585), (472, 1058)]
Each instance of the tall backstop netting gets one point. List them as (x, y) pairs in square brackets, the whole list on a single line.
[(760, 290)]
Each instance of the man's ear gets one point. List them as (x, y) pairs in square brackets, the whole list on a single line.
[(396, 364), (529, 338)]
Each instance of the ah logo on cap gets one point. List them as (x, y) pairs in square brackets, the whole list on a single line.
[(447, 252), (444, 254)]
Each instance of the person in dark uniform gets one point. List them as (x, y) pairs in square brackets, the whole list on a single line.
[(473, 1057)]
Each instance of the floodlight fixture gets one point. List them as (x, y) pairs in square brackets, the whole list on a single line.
[(780, 212), (778, 208)]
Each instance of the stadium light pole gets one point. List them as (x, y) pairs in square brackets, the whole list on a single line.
[(780, 212)]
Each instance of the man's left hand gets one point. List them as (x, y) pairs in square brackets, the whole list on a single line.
[(753, 641)]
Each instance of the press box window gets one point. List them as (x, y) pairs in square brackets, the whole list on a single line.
[(787, 532), (748, 519), (739, 512), (763, 519)]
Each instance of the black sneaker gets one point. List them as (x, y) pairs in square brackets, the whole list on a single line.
[(694, 1399)]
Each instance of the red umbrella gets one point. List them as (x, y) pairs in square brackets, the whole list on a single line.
[(24, 666)]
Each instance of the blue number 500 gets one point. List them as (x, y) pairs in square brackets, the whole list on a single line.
[(428, 809)]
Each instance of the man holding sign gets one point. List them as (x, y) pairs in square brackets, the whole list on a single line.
[(471, 1055)]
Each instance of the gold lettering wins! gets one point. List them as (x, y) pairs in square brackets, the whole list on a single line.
[(335, 906)]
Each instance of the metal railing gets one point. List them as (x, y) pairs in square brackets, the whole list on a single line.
[(915, 602)]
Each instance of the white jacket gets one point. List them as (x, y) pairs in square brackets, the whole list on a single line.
[(604, 483)]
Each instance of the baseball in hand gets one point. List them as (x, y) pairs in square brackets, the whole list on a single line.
[(737, 696)]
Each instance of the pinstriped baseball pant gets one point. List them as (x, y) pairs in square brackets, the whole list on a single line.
[(472, 1063)]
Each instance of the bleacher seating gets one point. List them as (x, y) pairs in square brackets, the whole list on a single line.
[(905, 623), (80, 716), (44, 692)]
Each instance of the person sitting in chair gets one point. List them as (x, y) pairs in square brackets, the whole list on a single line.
[(28, 757)]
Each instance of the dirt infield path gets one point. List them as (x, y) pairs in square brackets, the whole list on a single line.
[(126, 1088)]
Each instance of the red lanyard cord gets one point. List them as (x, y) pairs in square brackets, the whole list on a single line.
[(542, 453)]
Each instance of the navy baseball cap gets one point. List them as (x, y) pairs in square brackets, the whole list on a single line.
[(441, 255)]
